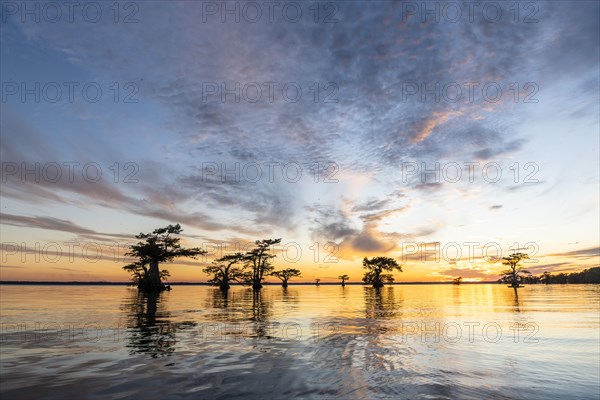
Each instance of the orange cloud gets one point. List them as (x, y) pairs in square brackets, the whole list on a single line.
[(436, 119)]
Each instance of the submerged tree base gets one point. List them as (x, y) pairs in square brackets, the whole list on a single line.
[(153, 289)]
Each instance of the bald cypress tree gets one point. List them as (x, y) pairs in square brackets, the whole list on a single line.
[(514, 275), (258, 260), (161, 245), (377, 269)]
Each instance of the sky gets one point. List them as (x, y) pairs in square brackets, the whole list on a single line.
[(440, 134)]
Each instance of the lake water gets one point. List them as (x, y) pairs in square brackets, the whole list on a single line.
[(403, 341)]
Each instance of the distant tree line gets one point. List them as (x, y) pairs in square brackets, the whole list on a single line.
[(591, 275)]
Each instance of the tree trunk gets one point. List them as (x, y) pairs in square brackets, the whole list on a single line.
[(224, 284), (152, 283), (377, 283), (515, 277), (284, 284)]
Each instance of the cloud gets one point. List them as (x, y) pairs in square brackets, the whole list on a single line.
[(57, 224), (342, 227), (373, 60), (538, 269), (371, 205), (369, 241), (360, 118), (330, 224), (475, 273), (437, 119), (70, 269), (582, 253)]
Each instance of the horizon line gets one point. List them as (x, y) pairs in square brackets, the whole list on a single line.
[(13, 282)]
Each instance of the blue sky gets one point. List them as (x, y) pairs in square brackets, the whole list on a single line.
[(365, 129)]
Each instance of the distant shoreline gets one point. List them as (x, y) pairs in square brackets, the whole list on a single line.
[(77, 283)]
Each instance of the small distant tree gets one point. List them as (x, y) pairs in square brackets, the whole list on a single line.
[(285, 275), (317, 281), (159, 246), (259, 261), (457, 280), (514, 275), (344, 278), (225, 270), (376, 268)]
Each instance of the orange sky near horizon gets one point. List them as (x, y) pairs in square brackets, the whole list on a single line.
[(91, 263)]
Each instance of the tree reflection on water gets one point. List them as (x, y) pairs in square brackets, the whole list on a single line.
[(149, 330), (382, 303)]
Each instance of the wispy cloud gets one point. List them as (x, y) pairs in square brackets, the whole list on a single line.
[(582, 253)]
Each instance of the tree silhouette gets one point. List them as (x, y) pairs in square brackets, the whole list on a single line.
[(591, 275), (285, 275), (343, 278), (317, 281), (515, 274), (546, 276), (158, 246), (258, 260), (375, 268), (457, 280), (225, 270)]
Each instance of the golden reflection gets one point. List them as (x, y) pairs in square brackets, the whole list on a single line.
[(516, 303), (289, 295), (381, 303)]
